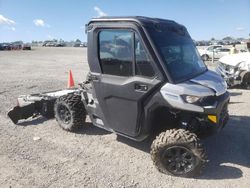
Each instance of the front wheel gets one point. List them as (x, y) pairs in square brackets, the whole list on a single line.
[(70, 112), (178, 152)]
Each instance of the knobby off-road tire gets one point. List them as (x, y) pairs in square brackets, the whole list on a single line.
[(178, 152), (70, 112)]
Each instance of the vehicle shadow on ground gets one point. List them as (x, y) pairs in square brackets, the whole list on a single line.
[(143, 145), (228, 149), (236, 87), (235, 102), (90, 129), (235, 93), (87, 128)]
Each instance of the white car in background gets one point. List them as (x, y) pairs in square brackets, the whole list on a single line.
[(220, 52), (235, 69), (217, 51)]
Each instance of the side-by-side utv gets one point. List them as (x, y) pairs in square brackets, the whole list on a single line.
[(145, 73)]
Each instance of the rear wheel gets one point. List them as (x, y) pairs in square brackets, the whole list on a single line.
[(178, 152), (246, 81), (70, 112)]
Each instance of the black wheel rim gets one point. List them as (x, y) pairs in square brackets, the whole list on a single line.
[(64, 114), (178, 160)]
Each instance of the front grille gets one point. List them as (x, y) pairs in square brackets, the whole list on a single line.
[(224, 66), (211, 100), (208, 101), (227, 68), (221, 65)]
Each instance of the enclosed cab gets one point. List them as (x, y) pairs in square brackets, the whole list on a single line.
[(143, 70)]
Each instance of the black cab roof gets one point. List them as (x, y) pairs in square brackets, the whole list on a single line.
[(138, 19)]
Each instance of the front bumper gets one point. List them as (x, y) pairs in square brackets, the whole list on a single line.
[(217, 114), (214, 117), (229, 73)]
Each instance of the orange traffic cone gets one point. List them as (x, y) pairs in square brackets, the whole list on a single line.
[(71, 83)]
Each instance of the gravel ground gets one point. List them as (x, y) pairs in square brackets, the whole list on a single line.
[(93, 157)]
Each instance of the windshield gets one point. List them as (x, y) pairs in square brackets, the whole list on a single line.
[(178, 52)]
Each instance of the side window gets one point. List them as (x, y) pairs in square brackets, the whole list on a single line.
[(116, 52), (143, 65)]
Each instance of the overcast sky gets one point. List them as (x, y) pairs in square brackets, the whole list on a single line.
[(47, 19)]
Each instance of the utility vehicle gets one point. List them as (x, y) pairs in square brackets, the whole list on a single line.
[(145, 74)]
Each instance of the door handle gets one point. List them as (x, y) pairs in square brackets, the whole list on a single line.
[(141, 87)]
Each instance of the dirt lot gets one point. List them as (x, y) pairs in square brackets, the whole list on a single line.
[(93, 157)]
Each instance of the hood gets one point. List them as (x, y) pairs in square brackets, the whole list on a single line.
[(235, 59), (211, 80)]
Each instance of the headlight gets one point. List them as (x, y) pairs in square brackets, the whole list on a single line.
[(191, 99)]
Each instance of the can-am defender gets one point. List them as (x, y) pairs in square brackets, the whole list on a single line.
[(146, 73)]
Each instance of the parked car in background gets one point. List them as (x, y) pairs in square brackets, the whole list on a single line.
[(6, 46), (83, 44), (221, 43), (60, 44), (77, 44), (16, 45), (208, 52), (1, 47), (201, 43), (235, 69), (220, 52), (26, 47), (50, 44)]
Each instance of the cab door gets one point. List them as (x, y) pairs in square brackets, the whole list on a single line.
[(127, 79)]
